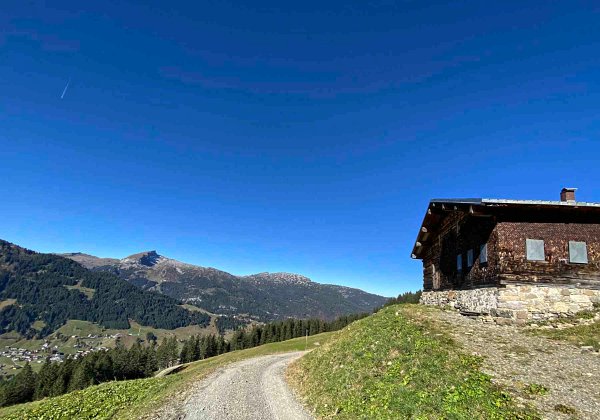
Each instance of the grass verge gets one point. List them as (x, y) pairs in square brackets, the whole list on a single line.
[(396, 365), (579, 335), (139, 398)]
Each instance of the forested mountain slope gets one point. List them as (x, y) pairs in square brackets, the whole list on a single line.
[(263, 296), (40, 292)]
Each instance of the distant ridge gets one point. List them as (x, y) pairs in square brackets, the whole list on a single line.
[(262, 296), (40, 292)]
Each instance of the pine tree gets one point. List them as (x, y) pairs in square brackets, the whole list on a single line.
[(162, 354), (63, 377), (46, 378), (221, 347), (120, 360), (82, 376), (298, 332), (196, 350), (172, 352), (151, 361), (254, 338), (136, 362), (237, 340), (103, 367), (19, 389), (187, 351), (211, 346)]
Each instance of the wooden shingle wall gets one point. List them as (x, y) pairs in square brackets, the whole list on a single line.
[(512, 257)]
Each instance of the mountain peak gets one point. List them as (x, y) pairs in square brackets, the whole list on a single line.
[(262, 296), (281, 277), (147, 258)]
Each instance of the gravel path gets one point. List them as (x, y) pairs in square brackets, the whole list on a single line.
[(253, 389)]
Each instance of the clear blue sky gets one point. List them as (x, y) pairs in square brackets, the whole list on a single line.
[(305, 137)]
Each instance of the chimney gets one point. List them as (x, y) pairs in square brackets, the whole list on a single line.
[(568, 194)]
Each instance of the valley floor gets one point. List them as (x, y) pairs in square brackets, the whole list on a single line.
[(560, 379)]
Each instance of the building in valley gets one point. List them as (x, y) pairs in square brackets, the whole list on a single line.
[(515, 259)]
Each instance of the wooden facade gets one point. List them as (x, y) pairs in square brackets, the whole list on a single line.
[(455, 232)]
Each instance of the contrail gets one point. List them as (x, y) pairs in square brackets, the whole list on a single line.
[(65, 90)]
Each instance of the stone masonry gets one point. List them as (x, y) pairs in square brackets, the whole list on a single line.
[(519, 303)]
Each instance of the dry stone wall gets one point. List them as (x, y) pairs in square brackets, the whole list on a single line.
[(520, 303), (481, 301)]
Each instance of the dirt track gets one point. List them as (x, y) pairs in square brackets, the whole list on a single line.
[(253, 389)]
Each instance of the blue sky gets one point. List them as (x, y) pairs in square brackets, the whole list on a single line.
[(305, 137)]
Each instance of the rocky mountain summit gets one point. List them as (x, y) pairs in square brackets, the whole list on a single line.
[(288, 278), (147, 259), (263, 296)]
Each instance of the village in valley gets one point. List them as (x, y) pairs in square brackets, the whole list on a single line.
[(55, 348)]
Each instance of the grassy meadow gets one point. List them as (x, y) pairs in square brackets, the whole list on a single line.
[(396, 365)]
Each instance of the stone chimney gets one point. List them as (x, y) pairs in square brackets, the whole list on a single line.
[(568, 194)]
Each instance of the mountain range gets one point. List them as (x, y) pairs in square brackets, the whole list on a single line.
[(41, 292), (261, 297)]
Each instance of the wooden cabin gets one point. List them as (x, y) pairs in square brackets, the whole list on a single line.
[(474, 243)]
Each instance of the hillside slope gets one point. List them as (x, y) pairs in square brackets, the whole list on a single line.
[(396, 365), (40, 292), (263, 296), (149, 399)]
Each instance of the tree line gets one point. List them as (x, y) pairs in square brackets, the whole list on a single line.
[(406, 297), (143, 360), (116, 364), (288, 329)]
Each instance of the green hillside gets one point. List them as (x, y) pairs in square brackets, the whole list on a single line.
[(39, 293), (139, 398), (396, 365)]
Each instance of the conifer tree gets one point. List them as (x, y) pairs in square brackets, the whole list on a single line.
[(103, 367), (172, 352), (196, 349), (45, 380), (82, 376), (19, 389), (151, 362), (162, 353), (187, 351)]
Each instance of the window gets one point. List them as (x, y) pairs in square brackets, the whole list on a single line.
[(470, 258), (578, 252), (535, 250), (459, 262), (483, 254)]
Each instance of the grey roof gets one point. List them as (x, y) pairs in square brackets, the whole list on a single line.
[(492, 201), (481, 203)]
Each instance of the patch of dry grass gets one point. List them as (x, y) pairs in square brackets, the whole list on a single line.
[(579, 335)]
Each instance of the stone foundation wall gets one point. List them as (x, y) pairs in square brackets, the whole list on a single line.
[(481, 301), (514, 302), (544, 302)]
